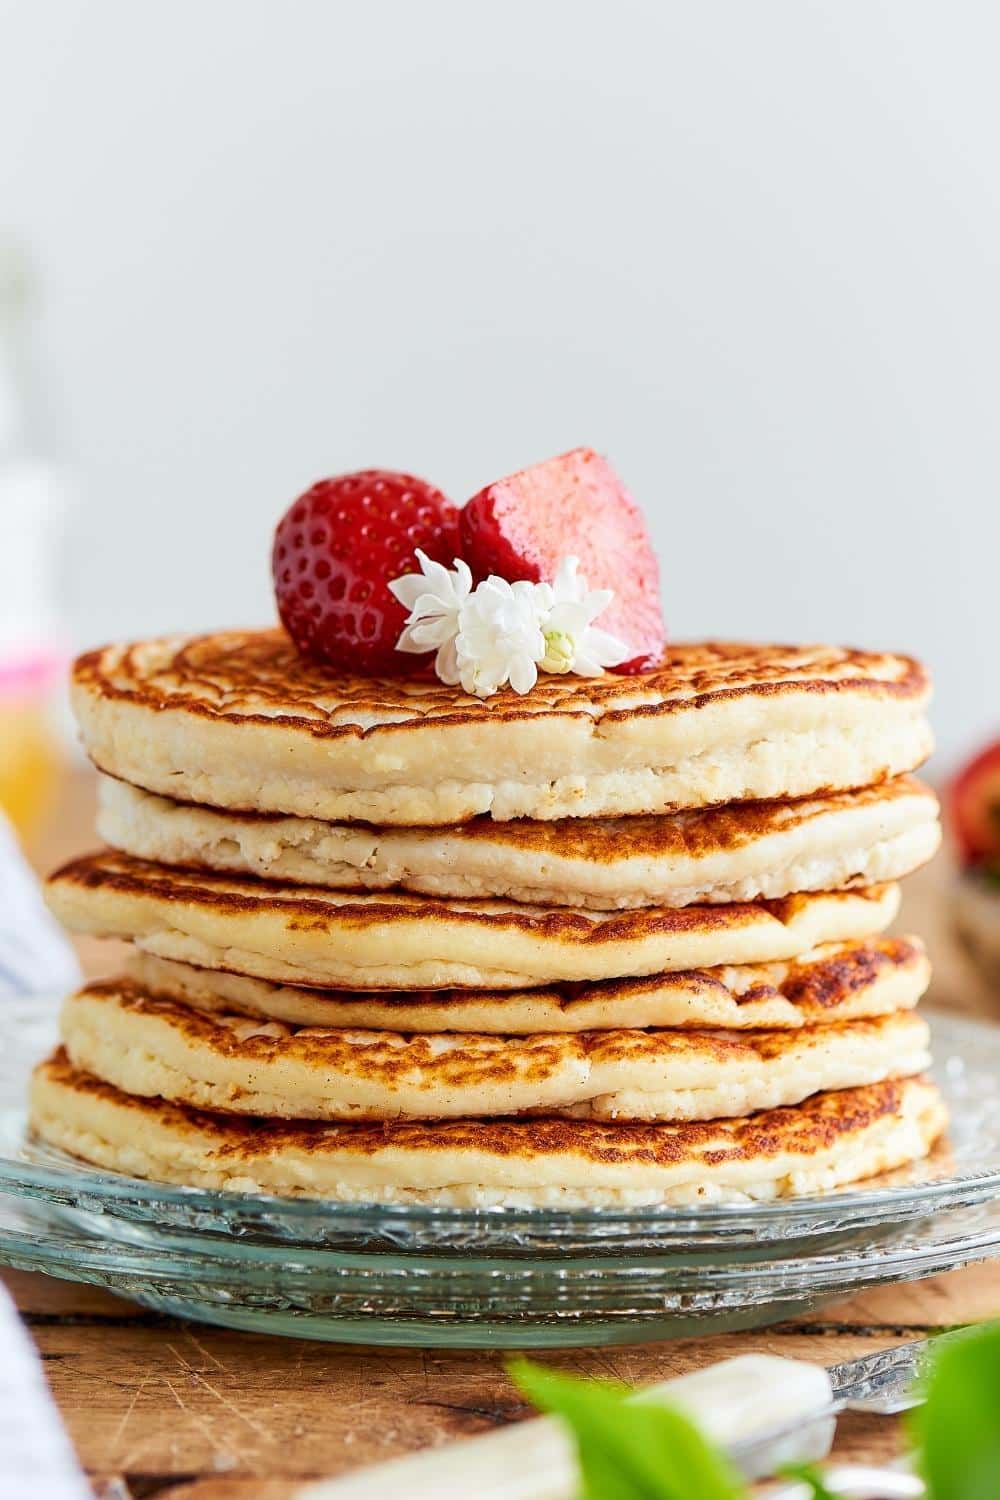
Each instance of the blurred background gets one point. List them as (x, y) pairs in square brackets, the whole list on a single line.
[(748, 251)]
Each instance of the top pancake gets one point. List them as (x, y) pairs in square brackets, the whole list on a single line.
[(239, 720)]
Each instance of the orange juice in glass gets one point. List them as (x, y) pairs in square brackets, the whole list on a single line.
[(30, 759)]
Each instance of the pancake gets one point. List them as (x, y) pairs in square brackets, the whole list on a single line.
[(156, 1047), (372, 940), (240, 720), (831, 1139), (839, 982), (736, 853)]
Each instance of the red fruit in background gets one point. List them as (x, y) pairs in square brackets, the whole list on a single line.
[(336, 550), (975, 807), (574, 505)]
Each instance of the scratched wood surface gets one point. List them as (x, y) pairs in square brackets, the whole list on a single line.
[(159, 1406)]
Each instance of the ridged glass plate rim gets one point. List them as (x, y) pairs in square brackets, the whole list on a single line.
[(948, 1241), (962, 1045)]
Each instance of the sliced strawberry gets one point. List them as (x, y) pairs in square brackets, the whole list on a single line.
[(574, 505), (975, 807), (336, 550)]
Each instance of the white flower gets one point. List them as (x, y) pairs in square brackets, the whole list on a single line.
[(499, 638), (572, 642), (504, 632), (434, 597)]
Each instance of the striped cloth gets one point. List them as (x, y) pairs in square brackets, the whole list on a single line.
[(35, 957)]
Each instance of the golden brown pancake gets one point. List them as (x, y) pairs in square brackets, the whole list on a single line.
[(839, 982), (372, 940), (831, 1139), (152, 1046), (239, 720), (721, 854)]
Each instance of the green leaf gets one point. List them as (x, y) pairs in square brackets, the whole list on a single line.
[(810, 1475), (957, 1430), (629, 1450)]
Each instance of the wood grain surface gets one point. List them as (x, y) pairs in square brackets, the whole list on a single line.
[(158, 1406)]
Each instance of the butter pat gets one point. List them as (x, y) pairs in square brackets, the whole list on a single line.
[(732, 1402)]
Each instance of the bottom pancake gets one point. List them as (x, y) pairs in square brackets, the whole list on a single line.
[(832, 1139), (149, 1045)]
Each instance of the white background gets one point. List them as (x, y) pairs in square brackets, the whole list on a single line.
[(750, 250)]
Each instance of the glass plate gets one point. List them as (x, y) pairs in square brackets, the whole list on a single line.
[(423, 1275), (475, 1302)]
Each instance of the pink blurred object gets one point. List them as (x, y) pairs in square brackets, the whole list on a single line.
[(33, 674)]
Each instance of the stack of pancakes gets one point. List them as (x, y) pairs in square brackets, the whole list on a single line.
[(619, 941)]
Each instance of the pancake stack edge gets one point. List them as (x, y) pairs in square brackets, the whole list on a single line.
[(670, 998)]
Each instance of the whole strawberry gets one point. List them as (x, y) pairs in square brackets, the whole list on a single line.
[(573, 506), (336, 550)]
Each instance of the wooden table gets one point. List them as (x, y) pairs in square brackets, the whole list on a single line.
[(158, 1405)]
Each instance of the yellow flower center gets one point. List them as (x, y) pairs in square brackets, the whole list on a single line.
[(560, 649)]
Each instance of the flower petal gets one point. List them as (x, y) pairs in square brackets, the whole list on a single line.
[(429, 605), (523, 673), (408, 589), (446, 663), (463, 579), (568, 588), (596, 601), (606, 648), (407, 642), (434, 632), (586, 666), (436, 573), (570, 619)]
